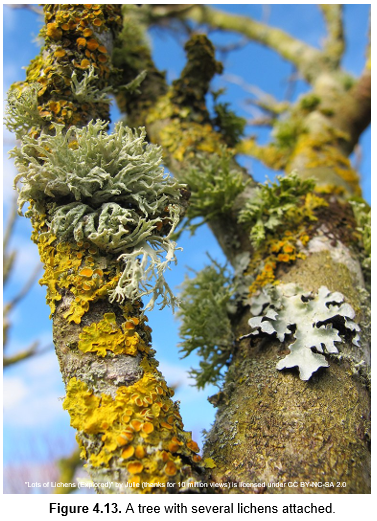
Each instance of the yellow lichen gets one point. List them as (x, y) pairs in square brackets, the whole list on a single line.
[(66, 267), (285, 244), (324, 152), (106, 336), (131, 426)]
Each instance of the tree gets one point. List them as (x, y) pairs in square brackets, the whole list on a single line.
[(104, 217)]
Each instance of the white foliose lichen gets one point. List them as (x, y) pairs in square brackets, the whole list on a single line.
[(316, 321), (110, 189)]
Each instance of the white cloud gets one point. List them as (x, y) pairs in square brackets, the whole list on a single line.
[(15, 391), (175, 374), (33, 397), (28, 406)]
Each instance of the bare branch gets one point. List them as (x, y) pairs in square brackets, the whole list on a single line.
[(225, 49), (263, 121), (25, 290), (68, 467), (265, 101), (8, 258), (308, 60), (27, 353), (30, 7), (10, 224), (334, 45)]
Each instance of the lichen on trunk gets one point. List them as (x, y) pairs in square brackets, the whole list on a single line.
[(103, 212)]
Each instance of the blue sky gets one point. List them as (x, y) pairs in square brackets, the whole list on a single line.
[(32, 389)]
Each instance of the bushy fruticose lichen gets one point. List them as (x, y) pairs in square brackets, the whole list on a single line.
[(214, 185), (316, 321), (230, 126), (111, 190), (206, 306)]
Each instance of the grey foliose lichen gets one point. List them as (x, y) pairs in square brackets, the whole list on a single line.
[(316, 321), (205, 312), (110, 189)]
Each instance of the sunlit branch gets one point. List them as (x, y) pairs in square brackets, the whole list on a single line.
[(334, 44), (25, 354), (270, 155), (8, 258), (307, 59), (25, 290), (263, 100)]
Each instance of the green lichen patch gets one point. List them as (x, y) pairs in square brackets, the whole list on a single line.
[(230, 126), (283, 203), (214, 185), (206, 306), (315, 321)]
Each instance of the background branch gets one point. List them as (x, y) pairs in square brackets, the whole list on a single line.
[(307, 59), (334, 45)]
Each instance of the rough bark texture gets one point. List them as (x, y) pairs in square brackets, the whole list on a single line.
[(270, 426), (129, 429)]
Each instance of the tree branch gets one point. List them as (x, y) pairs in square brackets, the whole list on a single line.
[(353, 110), (8, 258), (27, 353), (269, 155), (68, 467), (128, 426), (25, 290), (307, 59), (263, 100), (334, 44)]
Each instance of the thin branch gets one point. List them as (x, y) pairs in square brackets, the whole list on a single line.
[(8, 258), (25, 290), (263, 121), (334, 45), (161, 11), (291, 85), (29, 7), (236, 46), (10, 224), (68, 467), (308, 60), (27, 353), (265, 101)]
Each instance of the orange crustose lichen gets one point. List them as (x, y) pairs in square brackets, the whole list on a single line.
[(141, 427)]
